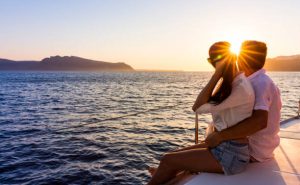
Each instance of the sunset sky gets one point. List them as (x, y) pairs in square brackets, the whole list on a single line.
[(146, 34)]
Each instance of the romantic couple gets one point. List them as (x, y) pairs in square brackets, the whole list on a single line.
[(245, 108)]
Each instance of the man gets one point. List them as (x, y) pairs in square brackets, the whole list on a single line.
[(263, 126)]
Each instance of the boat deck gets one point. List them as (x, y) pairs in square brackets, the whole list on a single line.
[(282, 170)]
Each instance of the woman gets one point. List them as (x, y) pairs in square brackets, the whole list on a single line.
[(230, 102)]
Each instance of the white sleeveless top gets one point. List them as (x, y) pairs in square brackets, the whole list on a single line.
[(235, 108)]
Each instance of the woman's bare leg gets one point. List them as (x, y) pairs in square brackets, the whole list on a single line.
[(202, 144), (194, 160), (152, 170)]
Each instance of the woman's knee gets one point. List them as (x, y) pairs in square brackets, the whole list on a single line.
[(166, 159)]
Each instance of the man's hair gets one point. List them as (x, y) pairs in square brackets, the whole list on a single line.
[(253, 54)]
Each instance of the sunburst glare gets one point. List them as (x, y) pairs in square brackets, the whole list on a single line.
[(235, 40), (235, 47)]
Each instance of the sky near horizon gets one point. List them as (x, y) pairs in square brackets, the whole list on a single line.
[(146, 34)]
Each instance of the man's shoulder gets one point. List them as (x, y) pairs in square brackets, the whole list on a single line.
[(263, 84), (262, 80)]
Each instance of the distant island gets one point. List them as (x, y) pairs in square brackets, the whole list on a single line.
[(73, 63), (283, 63), (63, 63)]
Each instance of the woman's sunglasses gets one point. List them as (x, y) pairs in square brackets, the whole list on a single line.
[(214, 60)]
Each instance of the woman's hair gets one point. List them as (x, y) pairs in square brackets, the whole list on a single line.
[(220, 52)]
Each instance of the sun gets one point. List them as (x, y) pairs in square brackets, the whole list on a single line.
[(235, 39), (235, 47)]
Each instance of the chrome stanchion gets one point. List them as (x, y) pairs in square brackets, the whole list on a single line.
[(299, 109), (196, 128)]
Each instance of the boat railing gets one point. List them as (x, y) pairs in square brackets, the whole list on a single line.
[(299, 110), (196, 128)]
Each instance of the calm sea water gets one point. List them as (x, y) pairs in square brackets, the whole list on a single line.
[(53, 128)]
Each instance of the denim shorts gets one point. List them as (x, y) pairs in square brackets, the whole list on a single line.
[(233, 156)]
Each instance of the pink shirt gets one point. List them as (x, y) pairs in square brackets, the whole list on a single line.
[(267, 97)]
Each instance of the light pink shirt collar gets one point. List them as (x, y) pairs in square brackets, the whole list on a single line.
[(261, 71)]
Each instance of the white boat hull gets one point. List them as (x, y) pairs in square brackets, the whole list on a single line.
[(284, 169)]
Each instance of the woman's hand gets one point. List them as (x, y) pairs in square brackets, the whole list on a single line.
[(206, 92), (194, 108)]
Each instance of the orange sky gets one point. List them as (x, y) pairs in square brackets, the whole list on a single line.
[(168, 35)]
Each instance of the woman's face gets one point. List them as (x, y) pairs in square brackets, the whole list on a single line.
[(230, 67)]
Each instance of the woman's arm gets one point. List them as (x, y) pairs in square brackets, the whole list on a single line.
[(206, 92)]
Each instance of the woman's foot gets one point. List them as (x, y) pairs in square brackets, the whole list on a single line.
[(152, 170)]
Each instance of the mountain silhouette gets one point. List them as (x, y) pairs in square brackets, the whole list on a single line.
[(283, 63), (73, 63), (65, 63)]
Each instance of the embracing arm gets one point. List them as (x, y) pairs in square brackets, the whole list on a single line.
[(247, 127)]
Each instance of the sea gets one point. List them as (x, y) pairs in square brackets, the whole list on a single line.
[(102, 127)]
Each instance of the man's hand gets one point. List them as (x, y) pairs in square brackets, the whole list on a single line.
[(213, 139)]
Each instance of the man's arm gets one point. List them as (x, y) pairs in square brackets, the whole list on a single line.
[(247, 127)]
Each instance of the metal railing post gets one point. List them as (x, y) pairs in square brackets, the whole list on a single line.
[(299, 109), (196, 128)]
